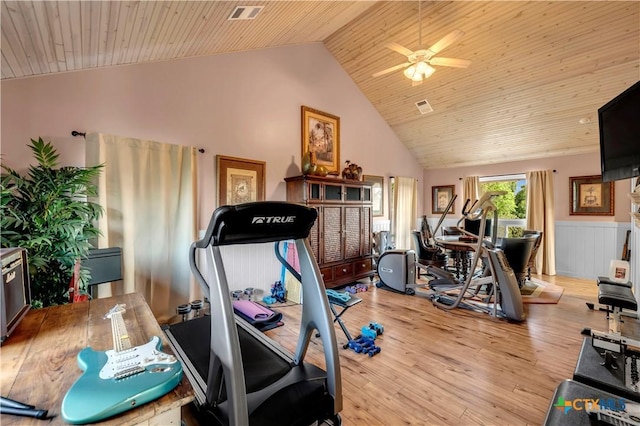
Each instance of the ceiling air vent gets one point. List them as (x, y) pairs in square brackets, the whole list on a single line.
[(243, 13), (424, 107)]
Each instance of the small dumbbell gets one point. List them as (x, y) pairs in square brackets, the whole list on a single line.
[(184, 311), (196, 305)]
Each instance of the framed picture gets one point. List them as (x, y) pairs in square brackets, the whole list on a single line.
[(590, 196), (321, 134), (619, 271), (441, 195), (240, 180), (377, 193)]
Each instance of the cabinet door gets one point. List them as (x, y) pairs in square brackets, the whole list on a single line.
[(314, 236), (332, 192), (352, 231), (353, 193), (366, 231), (332, 225)]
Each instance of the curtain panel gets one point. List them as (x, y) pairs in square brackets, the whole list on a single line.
[(148, 192), (540, 217), (405, 209), (470, 188)]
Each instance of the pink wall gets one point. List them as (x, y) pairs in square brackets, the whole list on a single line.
[(244, 105), (566, 167), (241, 104)]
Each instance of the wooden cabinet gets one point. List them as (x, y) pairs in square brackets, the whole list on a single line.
[(341, 237)]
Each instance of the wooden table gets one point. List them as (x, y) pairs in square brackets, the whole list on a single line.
[(460, 250), (38, 360)]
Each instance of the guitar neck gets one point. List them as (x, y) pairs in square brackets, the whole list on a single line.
[(121, 340)]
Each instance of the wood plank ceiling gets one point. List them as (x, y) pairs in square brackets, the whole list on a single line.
[(537, 68)]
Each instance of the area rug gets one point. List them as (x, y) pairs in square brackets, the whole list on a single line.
[(538, 292)]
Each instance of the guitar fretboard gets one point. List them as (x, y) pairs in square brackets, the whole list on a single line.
[(121, 341)]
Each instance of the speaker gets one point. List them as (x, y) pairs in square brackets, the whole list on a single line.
[(15, 292)]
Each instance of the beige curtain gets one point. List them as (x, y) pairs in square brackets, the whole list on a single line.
[(470, 189), (148, 192), (405, 208), (540, 217)]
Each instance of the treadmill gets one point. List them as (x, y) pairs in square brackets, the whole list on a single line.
[(239, 375)]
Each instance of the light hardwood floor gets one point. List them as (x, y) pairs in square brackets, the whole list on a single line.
[(456, 367)]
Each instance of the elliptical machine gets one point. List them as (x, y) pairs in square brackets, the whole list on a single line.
[(495, 289)]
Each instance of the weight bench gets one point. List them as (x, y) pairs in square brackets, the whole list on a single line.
[(344, 304), (617, 297), (619, 300)]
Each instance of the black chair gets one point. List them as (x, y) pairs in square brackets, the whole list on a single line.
[(537, 235), (104, 265), (428, 255), (517, 251), (473, 226)]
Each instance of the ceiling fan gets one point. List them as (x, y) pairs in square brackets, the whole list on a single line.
[(418, 65)]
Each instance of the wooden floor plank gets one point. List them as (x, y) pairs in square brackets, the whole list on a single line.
[(457, 367)]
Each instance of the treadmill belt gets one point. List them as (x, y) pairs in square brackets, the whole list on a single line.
[(262, 366)]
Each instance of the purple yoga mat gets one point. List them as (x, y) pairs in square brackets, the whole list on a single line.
[(253, 310)]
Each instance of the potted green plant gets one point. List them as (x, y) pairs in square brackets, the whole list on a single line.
[(47, 212)]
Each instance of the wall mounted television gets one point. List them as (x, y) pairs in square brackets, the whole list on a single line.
[(619, 121)]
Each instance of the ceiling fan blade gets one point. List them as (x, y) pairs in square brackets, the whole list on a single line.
[(450, 38), (398, 48), (450, 62), (388, 70)]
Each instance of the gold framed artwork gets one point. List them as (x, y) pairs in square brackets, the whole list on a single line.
[(590, 196), (240, 180), (321, 135), (377, 193), (440, 197)]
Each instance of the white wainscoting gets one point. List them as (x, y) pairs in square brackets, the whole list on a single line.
[(381, 225), (585, 249), (247, 265)]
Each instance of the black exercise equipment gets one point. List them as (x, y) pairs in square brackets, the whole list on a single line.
[(241, 377), (607, 370), (574, 403)]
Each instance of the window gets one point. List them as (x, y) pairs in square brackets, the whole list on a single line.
[(512, 206)]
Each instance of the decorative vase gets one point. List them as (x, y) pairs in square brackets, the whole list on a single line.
[(311, 167)]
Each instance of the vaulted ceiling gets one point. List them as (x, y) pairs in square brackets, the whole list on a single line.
[(539, 70)]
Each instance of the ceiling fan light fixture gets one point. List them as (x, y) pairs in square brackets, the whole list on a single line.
[(419, 71)]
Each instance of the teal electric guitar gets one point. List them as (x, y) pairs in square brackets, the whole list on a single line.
[(119, 379)]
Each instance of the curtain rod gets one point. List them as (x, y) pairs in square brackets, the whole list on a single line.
[(75, 133), (554, 171)]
